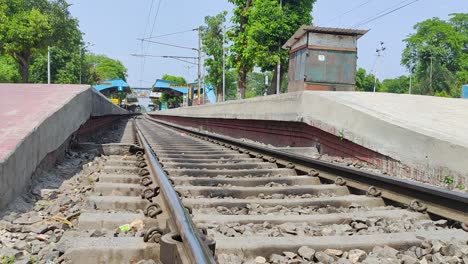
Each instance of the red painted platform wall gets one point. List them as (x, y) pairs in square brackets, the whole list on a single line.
[(292, 134)]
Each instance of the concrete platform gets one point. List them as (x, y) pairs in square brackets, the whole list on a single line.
[(420, 137), (37, 119)]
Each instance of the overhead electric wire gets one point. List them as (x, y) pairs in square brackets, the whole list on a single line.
[(170, 34), (155, 18), (168, 44), (349, 11), (163, 56), (179, 58), (385, 12), (149, 18), (143, 61), (182, 60), (143, 49)]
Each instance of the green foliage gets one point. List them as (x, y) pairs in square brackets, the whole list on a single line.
[(172, 101), (28, 27), (448, 180), (341, 134), (172, 78), (212, 39), (437, 55), (397, 85), (261, 27), (102, 67), (8, 70), (270, 26), (231, 85), (240, 58), (365, 81), (256, 84), (7, 260)]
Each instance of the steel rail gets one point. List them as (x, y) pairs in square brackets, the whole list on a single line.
[(439, 202), (197, 250)]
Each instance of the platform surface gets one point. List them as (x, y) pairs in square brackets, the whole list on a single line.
[(23, 107), (428, 133), (445, 118)]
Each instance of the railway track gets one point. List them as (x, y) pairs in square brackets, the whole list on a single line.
[(264, 206), (173, 195)]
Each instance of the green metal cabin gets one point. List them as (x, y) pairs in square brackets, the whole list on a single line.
[(323, 58)]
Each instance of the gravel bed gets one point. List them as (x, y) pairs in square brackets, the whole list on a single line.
[(256, 209), (431, 252), (354, 227), (31, 227)]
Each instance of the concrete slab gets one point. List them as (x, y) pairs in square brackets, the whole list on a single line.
[(36, 120), (426, 135)]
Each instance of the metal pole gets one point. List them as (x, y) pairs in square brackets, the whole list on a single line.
[(199, 62), (375, 72), (48, 64), (379, 51), (224, 64), (204, 87)]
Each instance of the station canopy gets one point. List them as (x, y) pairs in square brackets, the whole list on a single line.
[(172, 88), (178, 89), (113, 86)]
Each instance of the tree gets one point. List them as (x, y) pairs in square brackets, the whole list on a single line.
[(397, 85), (437, 55), (241, 59), (101, 67), (176, 79), (212, 39), (364, 81), (270, 26), (29, 27), (25, 30)]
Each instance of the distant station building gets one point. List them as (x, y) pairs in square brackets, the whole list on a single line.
[(189, 93), (120, 93), (323, 59)]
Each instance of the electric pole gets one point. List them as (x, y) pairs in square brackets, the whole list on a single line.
[(380, 52)]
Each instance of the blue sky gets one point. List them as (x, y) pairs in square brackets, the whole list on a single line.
[(113, 27)]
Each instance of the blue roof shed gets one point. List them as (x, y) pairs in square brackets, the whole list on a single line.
[(171, 86), (112, 86)]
